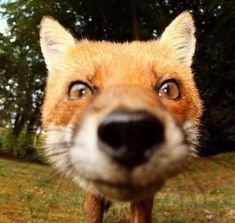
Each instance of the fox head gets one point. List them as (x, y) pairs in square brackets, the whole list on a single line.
[(120, 118)]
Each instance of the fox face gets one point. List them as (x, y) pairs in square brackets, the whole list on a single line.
[(120, 118)]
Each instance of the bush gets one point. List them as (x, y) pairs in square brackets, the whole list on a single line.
[(26, 146)]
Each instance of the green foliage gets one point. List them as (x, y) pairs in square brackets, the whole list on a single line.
[(7, 141), (26, 146)]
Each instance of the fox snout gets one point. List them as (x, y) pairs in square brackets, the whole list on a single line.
[(131, 136)]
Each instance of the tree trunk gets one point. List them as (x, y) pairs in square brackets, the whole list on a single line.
[(135, 22)]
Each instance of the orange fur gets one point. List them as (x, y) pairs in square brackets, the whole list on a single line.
[(94, 207), (141, 211)]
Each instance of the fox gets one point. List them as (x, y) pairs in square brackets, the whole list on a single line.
[(120, 118)]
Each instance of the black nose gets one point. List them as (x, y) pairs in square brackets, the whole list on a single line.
[(131, 136)]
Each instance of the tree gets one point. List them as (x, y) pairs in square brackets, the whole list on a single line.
[(22, 71)]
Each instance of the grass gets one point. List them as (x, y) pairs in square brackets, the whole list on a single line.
[(33, 193)]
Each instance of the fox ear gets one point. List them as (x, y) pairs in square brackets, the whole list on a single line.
[(54, 41), (179, 35)]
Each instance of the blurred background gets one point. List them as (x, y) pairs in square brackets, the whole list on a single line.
[(23, 73)]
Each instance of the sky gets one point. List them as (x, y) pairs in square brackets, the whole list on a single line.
[(2, 21), (2, 25)]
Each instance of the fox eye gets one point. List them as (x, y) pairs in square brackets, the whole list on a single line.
[(78, 90), (169, 90)]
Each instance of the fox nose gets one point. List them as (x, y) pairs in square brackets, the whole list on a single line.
[(130, 136)]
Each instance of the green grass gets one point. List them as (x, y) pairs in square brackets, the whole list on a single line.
[(34, 193)]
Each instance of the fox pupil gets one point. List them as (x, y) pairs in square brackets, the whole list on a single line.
[(82, 91)]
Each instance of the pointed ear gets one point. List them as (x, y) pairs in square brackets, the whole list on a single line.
[(179, 35), (54, 41)]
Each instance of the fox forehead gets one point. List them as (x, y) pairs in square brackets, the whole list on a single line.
[(133, 62), (127, 49)]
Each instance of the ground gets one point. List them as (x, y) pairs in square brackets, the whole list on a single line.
[(32, 193)]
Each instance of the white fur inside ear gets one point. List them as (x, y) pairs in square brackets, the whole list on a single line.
[(54, 41), (179, 35)]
